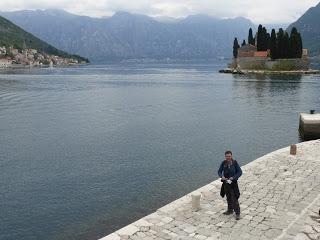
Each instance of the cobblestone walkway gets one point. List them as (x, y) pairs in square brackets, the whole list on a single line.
[(280, 199)]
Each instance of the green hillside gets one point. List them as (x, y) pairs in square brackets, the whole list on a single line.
[(309, 27), (12, 35)]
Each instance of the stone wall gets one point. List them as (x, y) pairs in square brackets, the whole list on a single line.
[(261, 63), (256, 63), (233, 63), (288, 64)]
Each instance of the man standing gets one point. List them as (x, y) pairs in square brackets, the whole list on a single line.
[(230, 171)]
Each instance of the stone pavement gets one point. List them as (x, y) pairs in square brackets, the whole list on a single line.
[(280, 199)]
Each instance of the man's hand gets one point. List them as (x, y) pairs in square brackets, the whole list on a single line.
[(231, 178), (223, 178)]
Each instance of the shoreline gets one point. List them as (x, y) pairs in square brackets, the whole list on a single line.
[(274, 211), (269, 72), (21, 66)]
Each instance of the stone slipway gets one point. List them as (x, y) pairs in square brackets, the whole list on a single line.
[(280, 199)]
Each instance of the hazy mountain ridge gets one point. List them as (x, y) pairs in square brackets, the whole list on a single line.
[(133, 36)]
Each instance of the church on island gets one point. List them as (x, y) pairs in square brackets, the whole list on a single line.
[(270, 52), (250, 50)]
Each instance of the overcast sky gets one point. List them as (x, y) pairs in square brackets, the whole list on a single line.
[(259, 11)]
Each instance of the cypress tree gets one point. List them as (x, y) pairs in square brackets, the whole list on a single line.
[(294, 43), (268, 41), (286, 43), (235, 47), (290, 47), (299, 51), (273, 44), (243, 43), (250, 37), (280, 43), (264, 39), (260, 38)]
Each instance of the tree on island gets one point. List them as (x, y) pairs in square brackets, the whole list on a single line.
[(300, 46), (273, 45), (250, 37), (268, 41), (235, 48), (286, 46), (263, 39), (259, 38), (295, 42), (280, 44)]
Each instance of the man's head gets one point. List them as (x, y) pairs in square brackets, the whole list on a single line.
[(228, 155)]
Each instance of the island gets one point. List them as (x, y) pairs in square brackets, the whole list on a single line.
[(278, 52)]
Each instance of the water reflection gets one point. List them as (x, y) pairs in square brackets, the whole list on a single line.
[(263, 84), (269, 77)]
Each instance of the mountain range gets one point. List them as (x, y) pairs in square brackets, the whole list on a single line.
[(126, 36), (132, 36)]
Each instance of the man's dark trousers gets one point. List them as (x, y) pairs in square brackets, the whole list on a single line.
[(233, 203)]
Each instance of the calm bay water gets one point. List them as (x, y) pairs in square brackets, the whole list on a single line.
[(87, 150)]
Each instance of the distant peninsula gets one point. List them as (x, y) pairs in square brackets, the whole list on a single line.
[(278, 52), (20, 48)]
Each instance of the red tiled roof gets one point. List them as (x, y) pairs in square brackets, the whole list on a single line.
[(260, 54)]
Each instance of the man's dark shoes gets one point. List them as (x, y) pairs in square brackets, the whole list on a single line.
[(227, 212), (237, 216)]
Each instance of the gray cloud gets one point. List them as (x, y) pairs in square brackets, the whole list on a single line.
[(272, 11)]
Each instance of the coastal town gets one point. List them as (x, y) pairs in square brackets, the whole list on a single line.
[(11, 57)]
